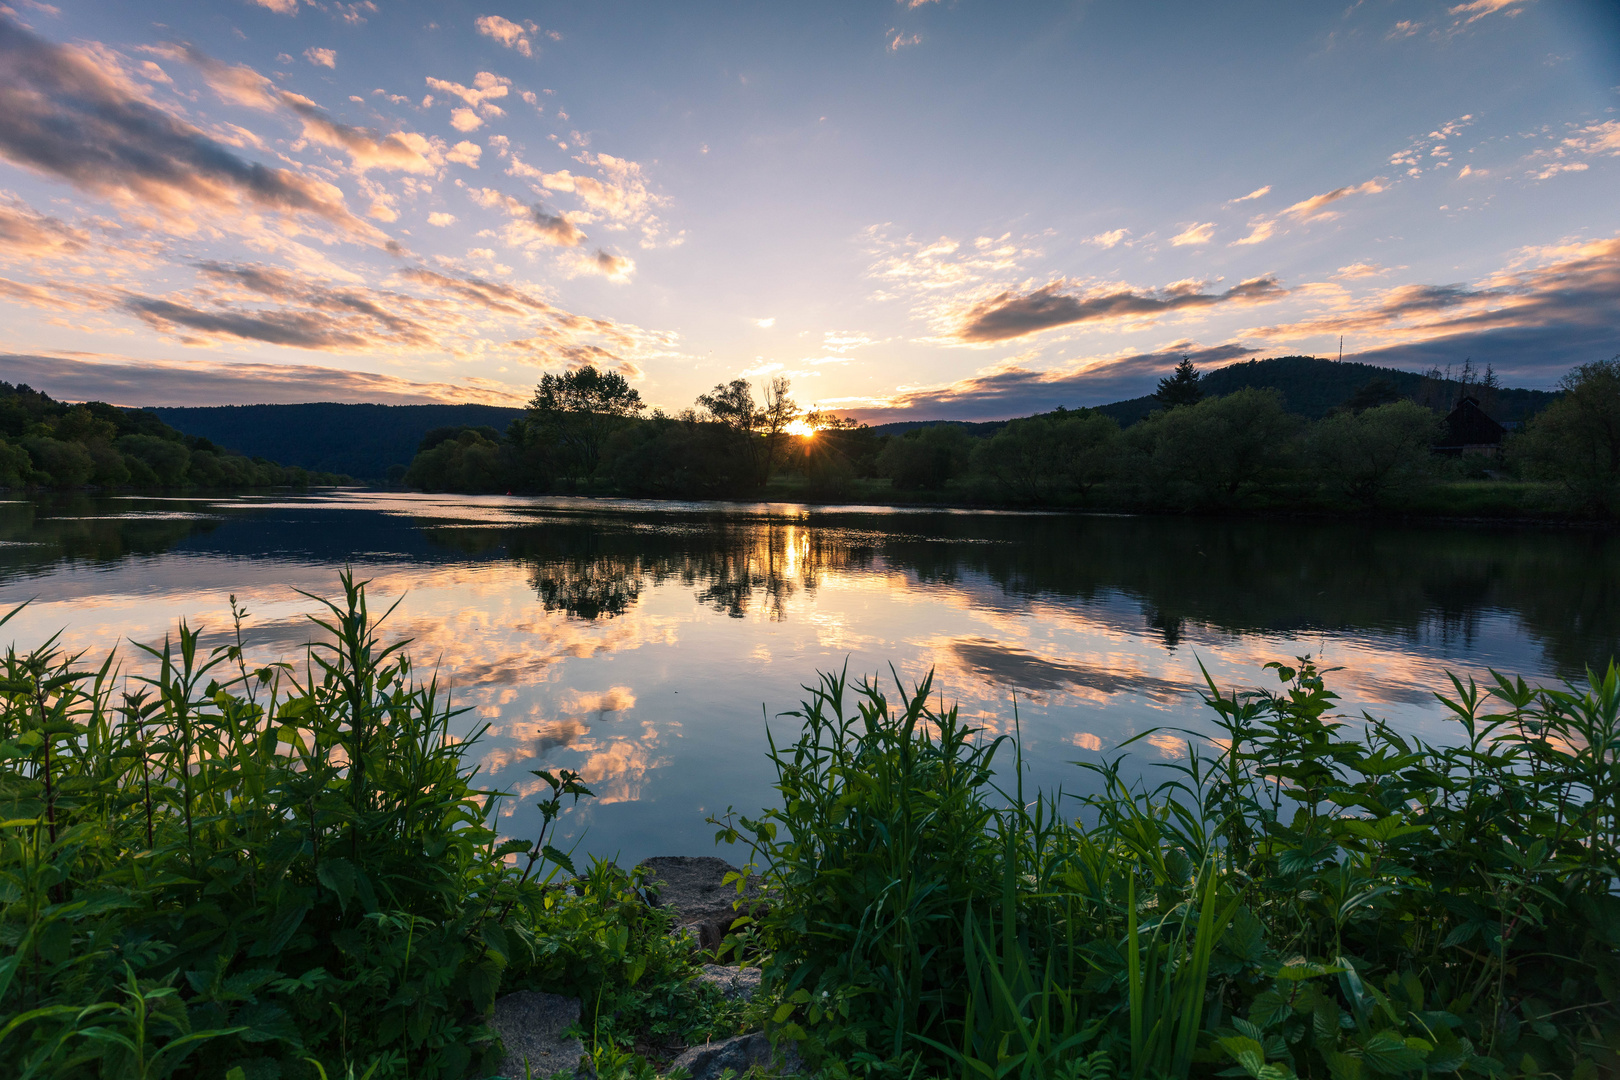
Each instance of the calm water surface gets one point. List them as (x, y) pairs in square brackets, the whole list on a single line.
[(648, 645)]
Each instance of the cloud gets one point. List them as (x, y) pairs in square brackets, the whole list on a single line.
[(280, 7), (465, 153), (1010, 389), (441, 219), (1558, 305), (1591, 141), (1314, 208), (1260, 229), (512, 35), (899, 39), (1468, 14), (530, 224), (26, 232), (1009, 315), (326, 58), (615, 268), (1360, 270), (67, 113), (1257, 193), (1194, 234), (136, 383), (1108, 239), (765, 324)]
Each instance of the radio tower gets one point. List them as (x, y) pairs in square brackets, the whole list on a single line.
[(1341, 348)]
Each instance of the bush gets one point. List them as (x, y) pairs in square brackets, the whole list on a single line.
[(66, 464), (1315, 899), (927, 459), (226, 869), (468, 462), (16, 466), (1379, 452), (167, 460), (1050, 457), (1215, 450), (1576, 439)]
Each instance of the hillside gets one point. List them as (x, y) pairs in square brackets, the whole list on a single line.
[(1311, 387), (360, 440)]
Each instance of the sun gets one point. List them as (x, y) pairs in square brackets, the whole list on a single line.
[(801, 429)]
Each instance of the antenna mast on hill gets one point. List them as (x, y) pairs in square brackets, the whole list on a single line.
[(1341, 348)]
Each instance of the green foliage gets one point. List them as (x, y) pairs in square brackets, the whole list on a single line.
[(574, 414), (1210, 451), (466, 460), (1180, 387), (1576, 439), (1379, 451), (1319, 898), (926, 459), (287, 874), (1047, 458), (45, 443)]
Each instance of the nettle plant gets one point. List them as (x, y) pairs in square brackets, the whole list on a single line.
[(221, 871)]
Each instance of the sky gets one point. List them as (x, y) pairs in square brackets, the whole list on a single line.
[(920, 209)]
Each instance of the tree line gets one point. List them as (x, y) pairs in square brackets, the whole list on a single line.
[(46, 443), (588, 431)]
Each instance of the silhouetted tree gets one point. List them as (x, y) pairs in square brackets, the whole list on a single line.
[(1576, 439), (1376, 391), (575, 412), (1180, 387)]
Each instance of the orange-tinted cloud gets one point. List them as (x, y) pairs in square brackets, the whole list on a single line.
[(1010, 315), (65, 113)]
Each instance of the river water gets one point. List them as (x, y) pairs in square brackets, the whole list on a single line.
[(649, 645)]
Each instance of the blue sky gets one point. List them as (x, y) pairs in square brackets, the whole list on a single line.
[(912, 210)]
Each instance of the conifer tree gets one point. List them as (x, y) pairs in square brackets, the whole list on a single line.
[(1181, 386)]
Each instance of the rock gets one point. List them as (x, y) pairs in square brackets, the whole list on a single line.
[(694, 885), (739, 1054), (737, 983), (531, 1027)]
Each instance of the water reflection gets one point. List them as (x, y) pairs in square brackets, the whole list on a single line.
[(647, 645)]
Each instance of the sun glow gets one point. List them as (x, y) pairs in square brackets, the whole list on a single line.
[(802, 429)]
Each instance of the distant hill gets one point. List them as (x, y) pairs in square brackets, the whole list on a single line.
[(1312, 387), (360, 440), (978, 430)]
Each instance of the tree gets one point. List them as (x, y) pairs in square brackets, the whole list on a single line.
[(1180, 387), (1218, 446), (1376, 391), (927, 458), (1377, 452), (757, 431), (1045, 457), (1576, 439), (575, 412)]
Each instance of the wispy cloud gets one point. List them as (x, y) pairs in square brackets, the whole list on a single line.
[(1011, 315), (1257, 193), (137, 383), (1315, 207), (1197, 233), (1111, 238), (66, 113), (519, 36)]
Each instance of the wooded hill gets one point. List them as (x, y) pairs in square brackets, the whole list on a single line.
[(52, 444)]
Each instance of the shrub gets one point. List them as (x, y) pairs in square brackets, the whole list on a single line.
[(1049, 457), (1576, 439), (67, 464), (167, 460), (1378, 452), (1316, 898), (219, 869), (1216, 449), (468, 462), (927, 459)]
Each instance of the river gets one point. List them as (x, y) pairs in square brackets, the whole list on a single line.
[(648, 645)]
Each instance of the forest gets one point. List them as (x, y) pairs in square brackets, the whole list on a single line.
[(52, 444), (1378, 449)]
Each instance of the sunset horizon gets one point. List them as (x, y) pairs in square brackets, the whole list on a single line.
[(921, 210)]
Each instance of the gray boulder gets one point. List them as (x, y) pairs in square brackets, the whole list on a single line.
[(739, 1054), (694, 885), (531, 1027), (738, 983)]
